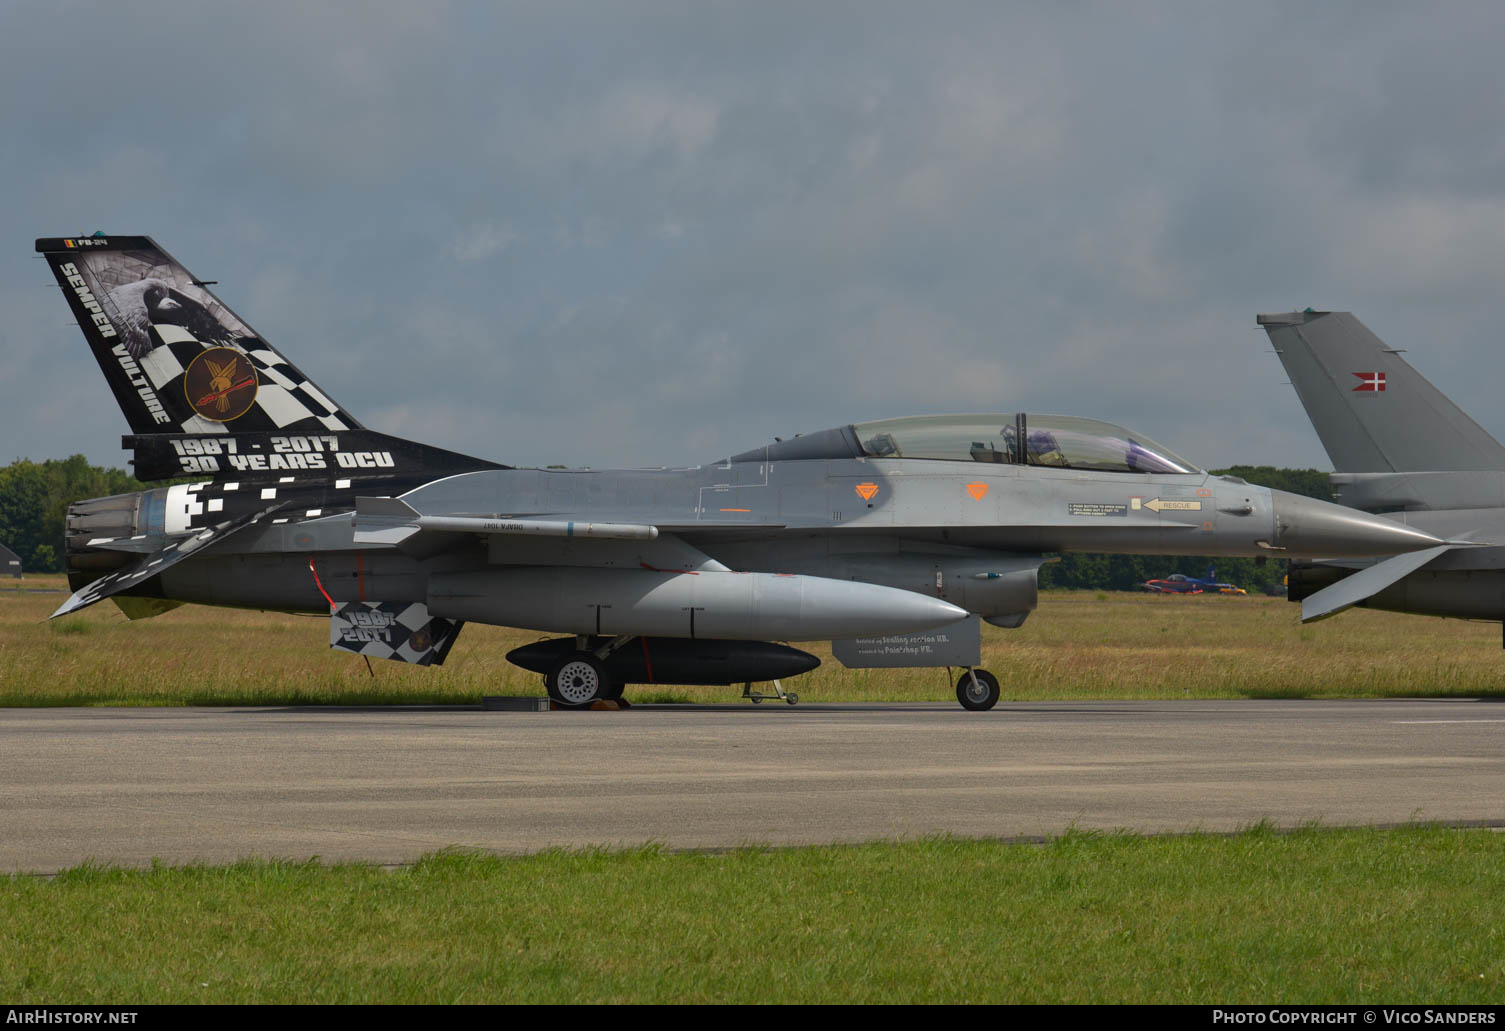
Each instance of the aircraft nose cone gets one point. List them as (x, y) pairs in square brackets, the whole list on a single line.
[(1317, 529)]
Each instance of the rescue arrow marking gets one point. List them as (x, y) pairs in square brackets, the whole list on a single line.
[(1156, 505)]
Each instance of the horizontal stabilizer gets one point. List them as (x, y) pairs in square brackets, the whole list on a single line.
[(403, 631), (150, 565), (1351, 590)]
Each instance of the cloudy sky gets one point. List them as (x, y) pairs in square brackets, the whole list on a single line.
[(656, 233)]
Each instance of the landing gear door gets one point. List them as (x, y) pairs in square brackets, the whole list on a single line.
[(958, 644)]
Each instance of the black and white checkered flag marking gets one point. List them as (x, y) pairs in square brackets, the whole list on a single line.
[(392, 630), (285, 398)]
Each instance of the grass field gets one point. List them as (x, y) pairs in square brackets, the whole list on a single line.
[(1352, 916), (1313, 916), (1078, 645)]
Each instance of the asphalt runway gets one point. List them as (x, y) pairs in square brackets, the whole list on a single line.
[(124, 786)]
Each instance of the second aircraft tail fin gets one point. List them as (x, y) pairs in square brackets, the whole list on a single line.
[(1373, 412)]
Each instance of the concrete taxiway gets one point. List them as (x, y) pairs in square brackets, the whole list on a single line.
[(125, 786)]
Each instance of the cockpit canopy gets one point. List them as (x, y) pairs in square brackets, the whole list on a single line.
[(1062, 441), (1058, 441)]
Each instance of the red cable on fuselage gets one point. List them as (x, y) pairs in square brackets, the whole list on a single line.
[(319, 584)]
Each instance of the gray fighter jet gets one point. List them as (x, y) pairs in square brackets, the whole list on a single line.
[(654, 575), (1401, 448)]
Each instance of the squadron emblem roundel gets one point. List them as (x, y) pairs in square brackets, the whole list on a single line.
[(220, 384)]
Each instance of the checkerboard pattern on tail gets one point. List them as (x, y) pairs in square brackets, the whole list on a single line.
[(285, 399), (177, 358)]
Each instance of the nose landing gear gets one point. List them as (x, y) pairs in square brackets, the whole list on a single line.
[(977, 690)]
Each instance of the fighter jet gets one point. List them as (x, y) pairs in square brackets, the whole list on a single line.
[(1401, 448), (1180, 583), (687, 575)]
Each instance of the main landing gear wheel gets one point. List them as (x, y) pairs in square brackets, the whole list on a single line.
[(977, 690), (579, 679)]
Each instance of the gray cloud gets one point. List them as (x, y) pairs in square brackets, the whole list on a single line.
[(658, 234)]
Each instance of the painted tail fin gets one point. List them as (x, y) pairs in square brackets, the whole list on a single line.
[(177, 359), (203, 393), (1373, 412)]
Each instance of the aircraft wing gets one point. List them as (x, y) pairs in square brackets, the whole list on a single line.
[(154, 561), (1351, 590)]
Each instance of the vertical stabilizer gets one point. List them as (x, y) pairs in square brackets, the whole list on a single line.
[(1373, 412), (177, 359)]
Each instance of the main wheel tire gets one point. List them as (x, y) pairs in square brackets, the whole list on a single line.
[(577, 680), (977, 695)]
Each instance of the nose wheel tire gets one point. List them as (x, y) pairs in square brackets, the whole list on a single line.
[(579, 679), (977, 690)]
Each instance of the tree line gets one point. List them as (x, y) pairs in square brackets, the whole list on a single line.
[(34, 500)]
